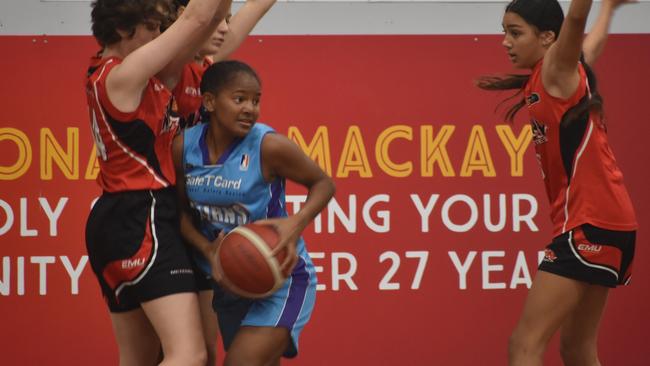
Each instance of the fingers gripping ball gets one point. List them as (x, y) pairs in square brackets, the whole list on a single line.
[(247, 267)]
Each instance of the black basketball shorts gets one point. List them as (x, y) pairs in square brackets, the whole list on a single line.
[(593, 255), (135, 248)]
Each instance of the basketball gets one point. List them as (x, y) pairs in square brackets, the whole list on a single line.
[(247, 267)]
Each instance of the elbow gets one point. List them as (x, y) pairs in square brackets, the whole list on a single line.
[(197, 19), (332, 188)]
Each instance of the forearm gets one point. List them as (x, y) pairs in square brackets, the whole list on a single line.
[(595, 41), (241, 24), (318, 196)]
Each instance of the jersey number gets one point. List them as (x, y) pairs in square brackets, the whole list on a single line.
[(99, 144)]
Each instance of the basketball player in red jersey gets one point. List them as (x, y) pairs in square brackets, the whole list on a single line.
[(218, 47), (132, 233), (593, 219)]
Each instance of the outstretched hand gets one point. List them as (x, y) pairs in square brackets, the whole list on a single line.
[(288, 232)]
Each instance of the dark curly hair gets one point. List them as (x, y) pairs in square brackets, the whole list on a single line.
[(108, 16)]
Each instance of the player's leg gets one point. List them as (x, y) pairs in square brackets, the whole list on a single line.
[(257, 346), (177, 322), (579, 335), (272, 326), (550, 300), (210, 325), (137, 341)]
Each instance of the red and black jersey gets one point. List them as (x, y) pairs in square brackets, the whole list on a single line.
[(188, 92), (133, 149), (583, 182)]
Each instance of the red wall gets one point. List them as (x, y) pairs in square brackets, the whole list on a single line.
[(376, 83)]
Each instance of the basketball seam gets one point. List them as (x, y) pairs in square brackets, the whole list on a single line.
[(263, 247)]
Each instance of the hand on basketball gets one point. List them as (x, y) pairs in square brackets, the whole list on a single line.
[(289, 232), (216, 272)]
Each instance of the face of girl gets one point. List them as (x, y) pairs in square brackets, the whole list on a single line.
[(524, 44), (213, 44), (147, 31), (144, 32), (237, 106)]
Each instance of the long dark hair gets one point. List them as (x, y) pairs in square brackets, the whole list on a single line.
[(545, 15)]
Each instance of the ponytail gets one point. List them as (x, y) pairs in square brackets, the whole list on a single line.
[(507, 82), (591, 102)]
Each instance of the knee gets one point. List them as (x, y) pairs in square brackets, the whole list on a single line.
[(522, 344), (197, 357), (516, 344)]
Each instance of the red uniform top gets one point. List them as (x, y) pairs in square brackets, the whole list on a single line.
[(188, 92), (133, 149), (583, 181)]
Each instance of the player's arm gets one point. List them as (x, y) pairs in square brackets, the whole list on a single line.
[(162, 56), (560, 69), (190, 233), (241, 24), (282, 158), (170, 74), (594, 43)]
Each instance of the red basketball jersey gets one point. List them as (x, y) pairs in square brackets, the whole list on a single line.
[(583, 181), (133, 149), (188, 92)]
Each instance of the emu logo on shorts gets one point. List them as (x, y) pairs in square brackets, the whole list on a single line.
[(133, 263), (591, 248), (549, 256)]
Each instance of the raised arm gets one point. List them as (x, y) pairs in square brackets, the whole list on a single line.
[(560, 70), (165, 55), (595, 41), (241, 24)]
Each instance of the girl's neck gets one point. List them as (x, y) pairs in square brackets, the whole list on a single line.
[(217, 141)]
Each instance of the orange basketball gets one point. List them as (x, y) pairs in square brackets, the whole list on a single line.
[(247, 267)]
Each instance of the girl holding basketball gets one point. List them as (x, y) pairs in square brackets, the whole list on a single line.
[(593, 219), (226, 38), (235, 171)]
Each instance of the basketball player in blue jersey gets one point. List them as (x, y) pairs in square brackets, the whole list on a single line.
[(223, 42), (234, 173), (132, 235)]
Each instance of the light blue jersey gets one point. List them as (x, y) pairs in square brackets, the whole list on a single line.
[(233, 192)]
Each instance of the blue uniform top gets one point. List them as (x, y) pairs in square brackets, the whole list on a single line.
[(233, 191)]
